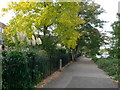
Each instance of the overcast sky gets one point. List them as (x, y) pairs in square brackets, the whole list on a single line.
[(110, 6)]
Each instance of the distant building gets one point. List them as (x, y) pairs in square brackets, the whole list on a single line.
[(1, 32)]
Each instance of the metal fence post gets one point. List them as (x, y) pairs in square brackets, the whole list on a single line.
[(60, 65)]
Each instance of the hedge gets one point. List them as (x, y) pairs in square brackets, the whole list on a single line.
[(15, 70)]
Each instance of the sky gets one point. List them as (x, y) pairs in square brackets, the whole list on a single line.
[(110, 6), (111, 9)]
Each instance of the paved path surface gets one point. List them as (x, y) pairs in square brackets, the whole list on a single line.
[(82, 74)]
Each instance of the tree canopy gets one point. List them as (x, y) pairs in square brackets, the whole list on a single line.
[(73, 24), (30, 16), (91, 38), (116, 38)]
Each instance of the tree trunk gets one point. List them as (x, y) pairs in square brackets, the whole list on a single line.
[(76, 51), (45, 31), (73, 55)]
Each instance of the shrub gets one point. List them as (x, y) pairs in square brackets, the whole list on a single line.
[(66, 57), (15, 71), (4, 53), (109, 65), (94, 59), (37, 64)]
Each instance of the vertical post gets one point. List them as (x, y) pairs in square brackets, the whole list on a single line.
[(60, 65)]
